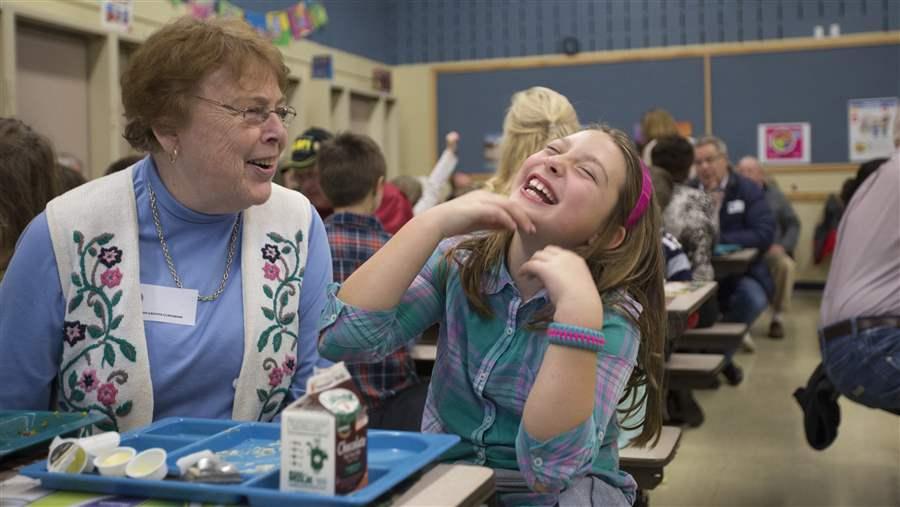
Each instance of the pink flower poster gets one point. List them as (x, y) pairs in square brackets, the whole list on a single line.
[(784, 143)]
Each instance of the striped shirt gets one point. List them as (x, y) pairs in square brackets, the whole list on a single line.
[(485, 369), (353, 239), (678, 266)]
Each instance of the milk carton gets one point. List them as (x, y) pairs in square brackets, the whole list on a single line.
[(323, 436)]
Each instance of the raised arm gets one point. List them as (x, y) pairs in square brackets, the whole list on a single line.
[(380, 283)]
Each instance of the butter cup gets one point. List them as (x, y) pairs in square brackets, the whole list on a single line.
[(112, 463)]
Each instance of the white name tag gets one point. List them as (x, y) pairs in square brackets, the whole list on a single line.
[(169, 304), (736, 206)]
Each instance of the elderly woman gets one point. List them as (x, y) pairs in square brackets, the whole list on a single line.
[(188, 284)]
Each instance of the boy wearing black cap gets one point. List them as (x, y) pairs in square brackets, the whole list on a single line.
[(301, 172)]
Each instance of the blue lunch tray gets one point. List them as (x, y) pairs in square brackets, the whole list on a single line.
[(21, 429), (255, 449)]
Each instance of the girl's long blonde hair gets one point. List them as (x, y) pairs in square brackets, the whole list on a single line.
[(635, 266), (535, 117)]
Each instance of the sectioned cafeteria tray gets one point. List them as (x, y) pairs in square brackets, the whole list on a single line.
[(254, 448)]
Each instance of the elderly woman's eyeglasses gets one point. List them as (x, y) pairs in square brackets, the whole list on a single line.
[(256, 115)]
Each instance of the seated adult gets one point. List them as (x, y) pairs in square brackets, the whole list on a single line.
[(188, 285), (690, 213), (744, 219), (28, 179), (780, 256), (860, 315)]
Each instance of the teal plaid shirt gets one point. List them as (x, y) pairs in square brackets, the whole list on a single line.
[(485, 369)]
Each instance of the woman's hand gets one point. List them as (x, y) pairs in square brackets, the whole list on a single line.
[(477, 211), (569, 285)]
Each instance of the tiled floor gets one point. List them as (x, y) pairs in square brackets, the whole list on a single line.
[(751, 451)]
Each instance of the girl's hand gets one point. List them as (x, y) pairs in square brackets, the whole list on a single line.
[(569, 285), (452, 140), (477, 211)]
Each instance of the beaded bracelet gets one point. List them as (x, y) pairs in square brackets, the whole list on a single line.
[(575, 336)]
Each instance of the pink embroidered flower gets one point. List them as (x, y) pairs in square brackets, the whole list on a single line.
[(290, 362), (275, 377), (111, 277), (109, 257), (106, 394), (73, 332), (271, 271), (89, 380)]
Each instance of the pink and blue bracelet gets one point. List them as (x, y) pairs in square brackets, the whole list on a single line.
[(575, 336)]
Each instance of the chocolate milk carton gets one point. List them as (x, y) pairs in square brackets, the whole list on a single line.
[(323, 436)]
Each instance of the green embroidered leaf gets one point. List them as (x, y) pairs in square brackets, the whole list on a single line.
[(104, 238), (115, 299), (276, 342), (268, 313), (299, 236), (262, 395), (74, 302), (106, 426), (285, 249), (274, 236), (77, 395), (270, 407), (76, 280), (263, 339), (288, 318), (127, 350), (73, 379), (95, 331), (98, 310), (284, 299), (124, 409), (267, 291), (109, 355), (77, 236), (92, 251), (116, 321)]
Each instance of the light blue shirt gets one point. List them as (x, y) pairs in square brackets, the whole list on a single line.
[(193, 368)]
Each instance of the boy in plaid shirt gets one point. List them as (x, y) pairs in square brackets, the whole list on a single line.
[(353, 171)]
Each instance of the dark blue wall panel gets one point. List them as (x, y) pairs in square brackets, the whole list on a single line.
[(474, 103), (812, 86)]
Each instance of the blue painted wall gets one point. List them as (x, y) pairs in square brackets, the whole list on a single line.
[(447, 30), (362, 27), (474, 103), (418, 31), (810, 86)]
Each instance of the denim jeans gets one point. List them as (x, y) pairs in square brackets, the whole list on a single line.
[(747, 302), (865, 366)]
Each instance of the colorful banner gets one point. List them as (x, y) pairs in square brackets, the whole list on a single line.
[(870, 127), (784, 143), (117, 15), (281, 26)]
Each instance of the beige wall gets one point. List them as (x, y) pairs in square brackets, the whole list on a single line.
[(108, 52)]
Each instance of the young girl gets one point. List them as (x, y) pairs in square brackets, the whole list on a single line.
[(546, 321)]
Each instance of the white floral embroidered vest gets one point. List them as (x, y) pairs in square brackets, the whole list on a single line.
[(104, 366)]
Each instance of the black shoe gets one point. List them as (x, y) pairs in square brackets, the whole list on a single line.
[(776, 330), (733, 374)]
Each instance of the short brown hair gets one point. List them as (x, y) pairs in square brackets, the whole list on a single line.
[(28, 180), (166, 69), (349, 167)]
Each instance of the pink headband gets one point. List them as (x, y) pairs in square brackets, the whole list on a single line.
[(643, 200)]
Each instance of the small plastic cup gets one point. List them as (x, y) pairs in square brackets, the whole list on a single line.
[(112, 463), (149, 464), (67, 457)]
